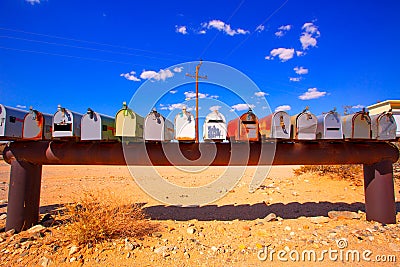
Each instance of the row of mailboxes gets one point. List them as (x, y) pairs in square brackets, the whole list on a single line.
[(34, 125)]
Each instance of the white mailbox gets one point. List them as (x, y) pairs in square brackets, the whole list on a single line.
[(304, 125), (214, 127), (11, 122), (383, 126), (157, 128), (96, 126), (185, 129), (275, 125), (66, 123), (37, 125), (357, 125), (329, 126)]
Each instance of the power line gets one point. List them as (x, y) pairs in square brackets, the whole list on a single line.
[(82, 47), (267, 19), (69, 56), (91, 42)]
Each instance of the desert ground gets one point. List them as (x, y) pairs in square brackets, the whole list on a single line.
[(228, 232)]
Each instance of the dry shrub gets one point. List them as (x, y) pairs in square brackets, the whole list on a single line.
[(101, 216), (352, 172)]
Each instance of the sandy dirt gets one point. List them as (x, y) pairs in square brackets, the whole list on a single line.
[(229, 232)]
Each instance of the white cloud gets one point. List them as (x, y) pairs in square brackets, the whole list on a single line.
[(178, 69), (181, 29), (173, 92), (311, 28), (240, 107), (202, 32), (358, 106), (176, 106), (295, 79), (131, 76), (21, 106), (300, 53), (284, 54), (32, 2), (309, 36), (300, 70), (285, 27), (222, 26), (190, 95), (282, 30), (312, 93), (215, 108), (307, 40), (260, 94), (152, 75), (283, 108), (260, 28)]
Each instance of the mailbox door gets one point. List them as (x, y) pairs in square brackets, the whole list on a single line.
[(332, 126), (125, 122), (185, 127), (361, 127), (154, 127), (12, 122), (33, 126), (62, 124), (91, 127), (306, 126), (383, 127), (280, 125)]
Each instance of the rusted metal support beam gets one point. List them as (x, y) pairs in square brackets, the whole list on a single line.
[(380, 203), (168, 154), (23, 195), (27, 157)]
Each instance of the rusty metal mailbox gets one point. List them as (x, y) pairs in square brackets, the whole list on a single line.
[(214, 127), (96, 126), (11, 122), (357, 125), (329, 126), (244, 128), (304, 125), (185, 126), (383, 126), (37, 125), (66, 123), (275, 125), (157, 128), (129, 124)]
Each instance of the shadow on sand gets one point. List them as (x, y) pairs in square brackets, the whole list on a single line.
[(291, 210)]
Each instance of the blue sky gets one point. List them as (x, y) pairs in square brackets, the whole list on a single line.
[(81, 54)]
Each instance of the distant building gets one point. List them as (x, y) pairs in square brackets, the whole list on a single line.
[(380, 107)]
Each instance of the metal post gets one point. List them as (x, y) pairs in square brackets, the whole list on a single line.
[(23, 195), (380, 203)]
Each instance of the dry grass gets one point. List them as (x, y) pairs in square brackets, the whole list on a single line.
[(353, 172), (102, 216)]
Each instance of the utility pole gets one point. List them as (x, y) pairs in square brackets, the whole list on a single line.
[(196, 76)]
